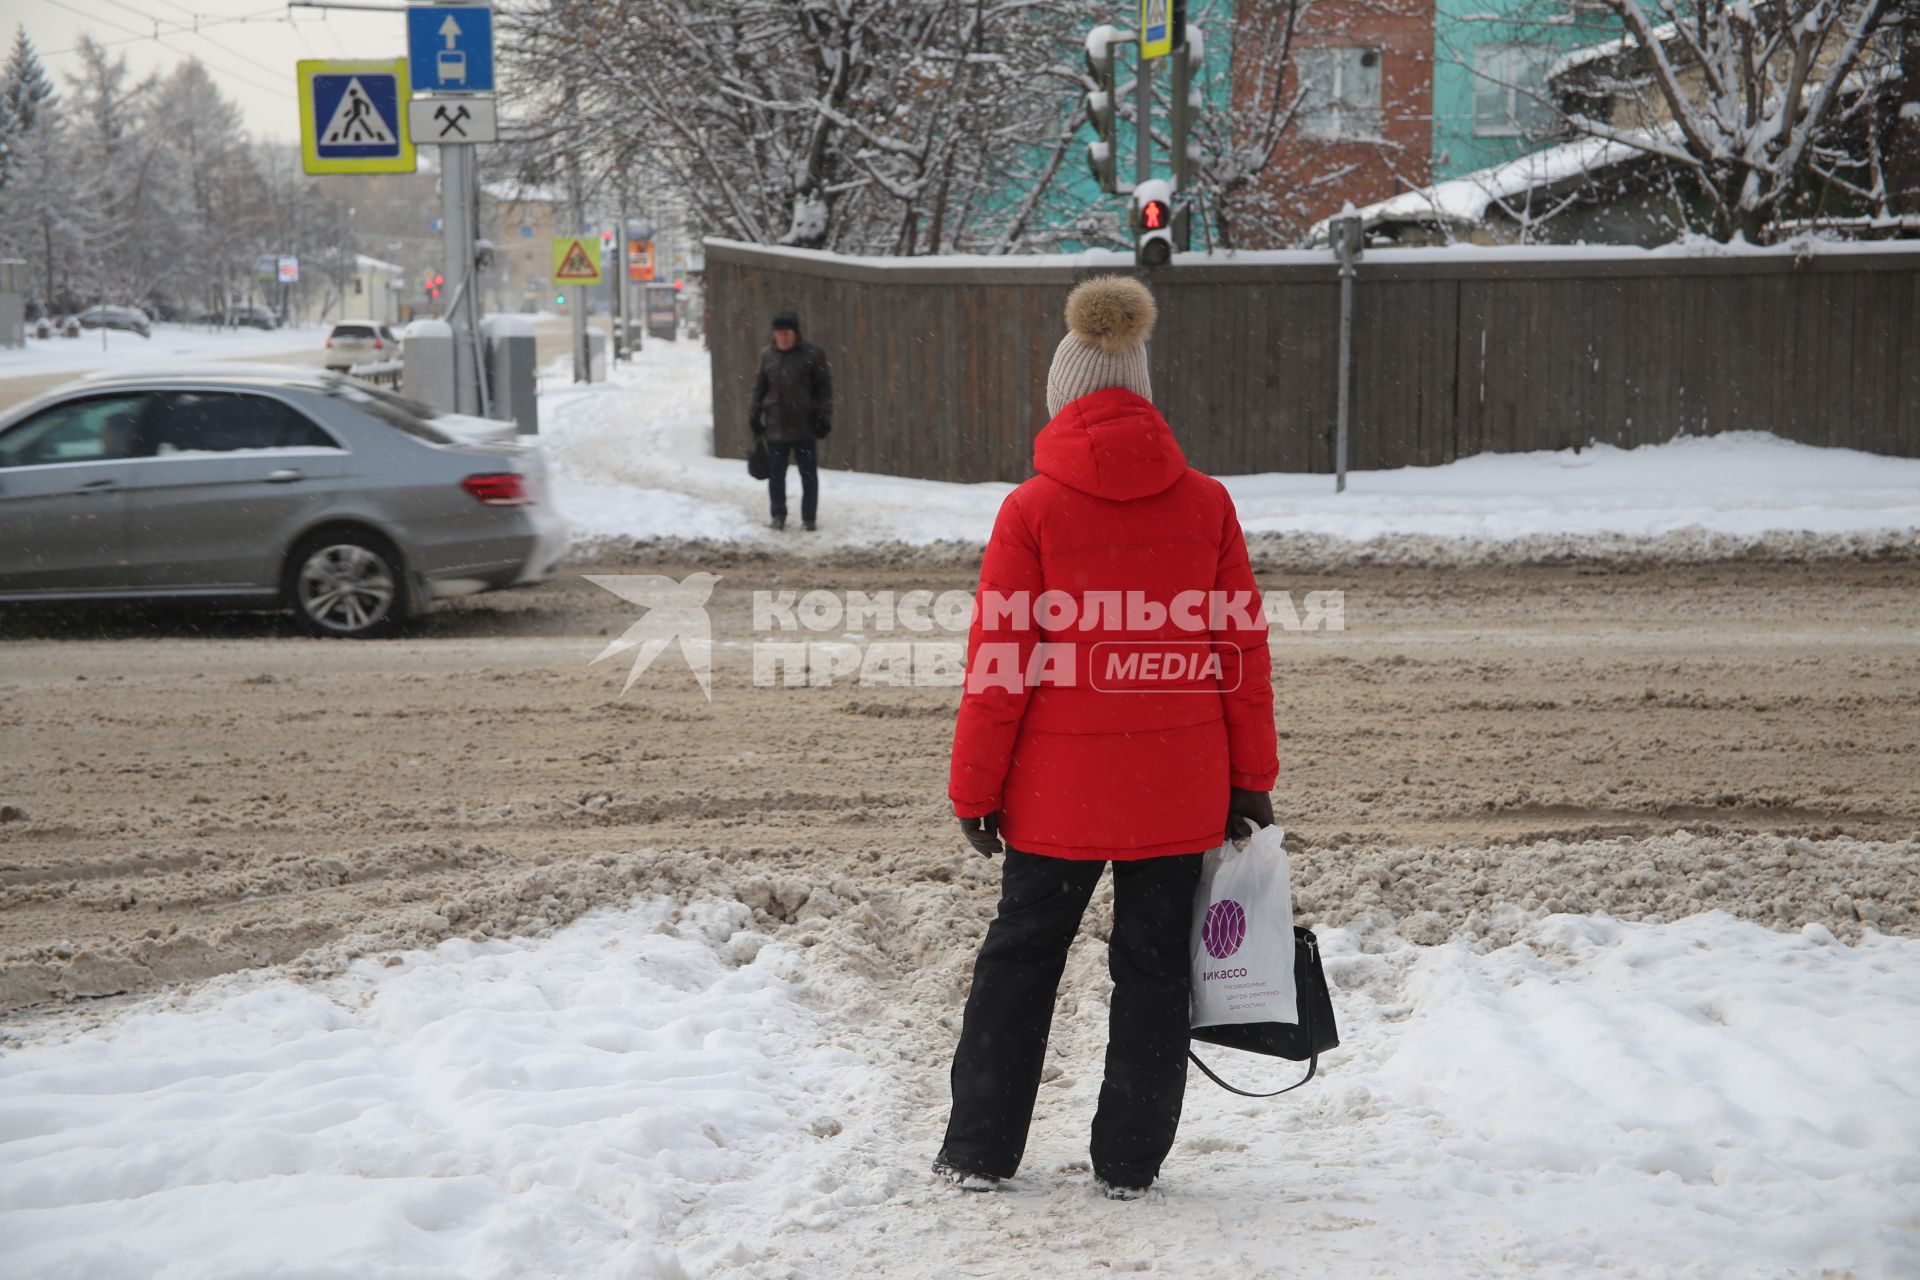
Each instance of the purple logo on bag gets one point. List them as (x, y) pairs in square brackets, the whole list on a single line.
[(1224, 929)]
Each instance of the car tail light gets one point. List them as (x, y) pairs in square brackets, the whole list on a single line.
[(499, 489), (376, 344), (329, 342)]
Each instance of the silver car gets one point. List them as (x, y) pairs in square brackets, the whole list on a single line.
[(336, 499)]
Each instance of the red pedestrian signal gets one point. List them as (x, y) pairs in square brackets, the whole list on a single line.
[(1152, 217)]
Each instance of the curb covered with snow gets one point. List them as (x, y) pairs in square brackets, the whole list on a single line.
[(634, 473)]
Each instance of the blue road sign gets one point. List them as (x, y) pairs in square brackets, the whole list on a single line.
[(360, 116), (450, 48), (353, 117)]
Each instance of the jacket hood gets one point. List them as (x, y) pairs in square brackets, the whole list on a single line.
[(1112, 444)]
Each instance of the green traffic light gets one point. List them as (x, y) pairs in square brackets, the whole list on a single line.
[(559, 299)]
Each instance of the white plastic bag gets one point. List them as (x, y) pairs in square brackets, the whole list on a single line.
[(1242, 943)]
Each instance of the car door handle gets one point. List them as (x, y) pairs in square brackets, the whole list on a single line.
[(99, 486), (286, 475)]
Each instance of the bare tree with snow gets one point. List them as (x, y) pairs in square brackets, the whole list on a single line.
[(1757, 106), (878, 126)]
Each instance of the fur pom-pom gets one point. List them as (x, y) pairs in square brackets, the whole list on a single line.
[(1111, 313)]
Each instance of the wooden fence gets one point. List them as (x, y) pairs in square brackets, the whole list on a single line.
[(940, 365)]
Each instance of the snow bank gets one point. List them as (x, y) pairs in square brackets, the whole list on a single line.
[(665, 1092), (565, 1108), (634, 467), (170, 344)]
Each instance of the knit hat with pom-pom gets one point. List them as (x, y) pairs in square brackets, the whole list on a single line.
[(1108, 320)]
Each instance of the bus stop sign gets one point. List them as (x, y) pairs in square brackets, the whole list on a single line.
[(450, 48)]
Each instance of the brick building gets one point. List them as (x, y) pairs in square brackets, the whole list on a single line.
[(1363, 129)]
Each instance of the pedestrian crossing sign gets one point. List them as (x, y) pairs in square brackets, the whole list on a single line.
[(576, 260), (1156, 28), (353, 116)]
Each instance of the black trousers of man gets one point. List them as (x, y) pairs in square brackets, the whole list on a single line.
[(806, 456), (1003, 1040)]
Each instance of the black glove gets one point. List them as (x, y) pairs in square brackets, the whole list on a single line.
[(758, 431), (822, 430), (1247, 810), (983, 833)]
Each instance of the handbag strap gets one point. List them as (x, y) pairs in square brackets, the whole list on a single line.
[(1313, 1064)]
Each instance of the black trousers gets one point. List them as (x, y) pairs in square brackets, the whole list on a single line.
[(1003, 1040), (806, 456)]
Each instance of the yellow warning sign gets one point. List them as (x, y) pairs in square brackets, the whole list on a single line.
[(576, 260)]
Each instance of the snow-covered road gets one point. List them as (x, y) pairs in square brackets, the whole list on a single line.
[(665, 1092)]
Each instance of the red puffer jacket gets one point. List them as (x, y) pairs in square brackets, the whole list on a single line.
[(1111, 758)]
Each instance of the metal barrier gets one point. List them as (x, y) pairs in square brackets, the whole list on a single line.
[(385, 373)]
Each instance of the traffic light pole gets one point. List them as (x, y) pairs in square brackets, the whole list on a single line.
[(1143, 117)]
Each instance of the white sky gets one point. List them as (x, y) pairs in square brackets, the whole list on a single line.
[(251, 60)]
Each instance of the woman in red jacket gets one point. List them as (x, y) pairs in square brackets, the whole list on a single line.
[(1117, 709)]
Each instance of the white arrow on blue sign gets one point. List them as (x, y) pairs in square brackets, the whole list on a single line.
[(450, 48)]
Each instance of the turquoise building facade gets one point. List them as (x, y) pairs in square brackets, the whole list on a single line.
[(1490, 64)]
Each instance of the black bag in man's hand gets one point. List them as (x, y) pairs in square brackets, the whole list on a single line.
[(757, 465)]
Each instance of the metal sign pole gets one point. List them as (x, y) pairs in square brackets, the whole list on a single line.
[(456, 214), (1346, 233)]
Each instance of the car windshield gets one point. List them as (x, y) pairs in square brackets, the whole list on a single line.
[(352, 331), (397, 412)]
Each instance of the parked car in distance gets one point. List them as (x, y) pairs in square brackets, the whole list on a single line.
[(264, 487), (251, 315), (354, 342), (126, 319)]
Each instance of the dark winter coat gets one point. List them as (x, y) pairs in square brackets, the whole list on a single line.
[(1091, 769), (792, 395)]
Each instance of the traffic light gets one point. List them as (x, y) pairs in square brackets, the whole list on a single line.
[(559, 299), (1153, 218), (1186, 105), (1103, 153)]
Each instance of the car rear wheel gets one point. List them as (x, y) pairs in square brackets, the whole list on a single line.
[(347, 584)]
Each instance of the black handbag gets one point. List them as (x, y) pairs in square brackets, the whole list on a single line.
[(1302, 1041), (757, 465)]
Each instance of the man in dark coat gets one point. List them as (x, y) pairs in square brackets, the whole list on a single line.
[(792, 409)]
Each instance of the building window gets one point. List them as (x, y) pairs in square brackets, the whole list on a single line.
[(1510, 91), (1340, 94)]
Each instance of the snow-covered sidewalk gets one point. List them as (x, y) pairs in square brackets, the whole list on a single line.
[(663, 1091), (635, 464)]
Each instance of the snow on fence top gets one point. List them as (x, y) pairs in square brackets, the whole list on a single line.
[(1692, 249)]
